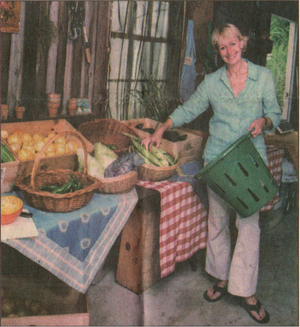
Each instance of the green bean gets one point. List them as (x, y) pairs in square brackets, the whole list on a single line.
[(60, 189)]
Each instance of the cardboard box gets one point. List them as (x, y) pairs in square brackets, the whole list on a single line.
[(65, 306), (138, 262), (44, 127), (9, 172), (189, 149)]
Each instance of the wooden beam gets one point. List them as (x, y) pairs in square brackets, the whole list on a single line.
[(102, 56), (16, 64), (52, 54)]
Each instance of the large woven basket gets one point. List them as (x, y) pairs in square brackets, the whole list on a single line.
[(47, 201), (119, 184), (108, 132)]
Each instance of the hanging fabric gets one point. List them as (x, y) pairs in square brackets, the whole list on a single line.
[(189, 74)]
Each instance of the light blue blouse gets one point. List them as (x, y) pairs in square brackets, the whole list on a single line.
[(232, 116)]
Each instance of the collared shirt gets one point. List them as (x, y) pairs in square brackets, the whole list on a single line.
[(232, 115)]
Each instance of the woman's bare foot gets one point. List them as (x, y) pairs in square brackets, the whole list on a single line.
[(255, 309)]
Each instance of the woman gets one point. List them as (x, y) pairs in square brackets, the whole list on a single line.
[(243, 98)]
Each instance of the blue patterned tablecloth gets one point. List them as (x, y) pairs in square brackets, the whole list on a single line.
[(74, 245)]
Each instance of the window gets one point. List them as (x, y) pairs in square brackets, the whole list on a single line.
[(145, 48)]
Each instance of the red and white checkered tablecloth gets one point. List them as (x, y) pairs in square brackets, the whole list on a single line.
[(275, 157), (183, 221)]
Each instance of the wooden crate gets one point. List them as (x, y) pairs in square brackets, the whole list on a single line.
[(44, 127), (189, 149), (65, 306), (138, 265), (9, 172)]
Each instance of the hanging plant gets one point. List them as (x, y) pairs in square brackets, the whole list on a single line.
[(152, 97), (46, 32)]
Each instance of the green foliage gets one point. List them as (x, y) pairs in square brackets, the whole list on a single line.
[(153, 99), (276, 62), (47, 32)]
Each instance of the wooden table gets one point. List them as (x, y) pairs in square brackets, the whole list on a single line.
[(289, 141)]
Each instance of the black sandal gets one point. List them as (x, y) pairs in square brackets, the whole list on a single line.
[(217, 288), (255, 307)]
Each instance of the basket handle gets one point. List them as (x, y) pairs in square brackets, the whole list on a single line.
[(38, 158)]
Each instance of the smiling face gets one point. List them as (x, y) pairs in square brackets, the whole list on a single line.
[(230, 48)]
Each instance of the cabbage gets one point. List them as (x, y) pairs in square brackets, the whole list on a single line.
[(93, 166), (104, 155)]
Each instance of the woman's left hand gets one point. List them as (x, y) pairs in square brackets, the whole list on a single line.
[(258, 125)]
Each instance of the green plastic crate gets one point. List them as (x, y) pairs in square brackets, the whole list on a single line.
[(240, 177)]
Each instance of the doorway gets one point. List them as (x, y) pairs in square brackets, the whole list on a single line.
[(282, 60)]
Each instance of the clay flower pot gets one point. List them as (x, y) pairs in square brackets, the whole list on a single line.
[(72, 106), (53, 96), (19, 112), (52, 110), (72, 111), (4, 111)]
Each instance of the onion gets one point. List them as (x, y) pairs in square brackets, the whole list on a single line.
[(25, 154), (26, 137), (51, 134), (39, 145), (51, 147), (51, 154), (71, 146), (4, 134), (60, 149), (29, 147), (15, 146), (60, 139), (37, 137), (18, 132), (14, 138)]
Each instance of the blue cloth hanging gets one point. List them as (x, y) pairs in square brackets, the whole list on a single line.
[(189, 74)]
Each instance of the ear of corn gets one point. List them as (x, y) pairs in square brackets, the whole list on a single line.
[(146, 153), (157, 156)]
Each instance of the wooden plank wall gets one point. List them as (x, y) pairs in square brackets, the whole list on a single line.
[(30, 70)]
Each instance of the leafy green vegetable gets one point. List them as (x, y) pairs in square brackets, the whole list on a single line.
[(94, 168), (104, 155)]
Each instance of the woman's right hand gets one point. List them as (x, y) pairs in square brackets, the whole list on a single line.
[(154, 139), (157, 135)]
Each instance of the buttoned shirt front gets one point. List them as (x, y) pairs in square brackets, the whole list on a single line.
[(232, 115)]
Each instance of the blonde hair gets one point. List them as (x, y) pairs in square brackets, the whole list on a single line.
[(223, 31)]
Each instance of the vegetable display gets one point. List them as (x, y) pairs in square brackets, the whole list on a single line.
[(6, 155), (72, 186), (27, 146), (13, 307), (157, 157), (105, 163), (96, 165), (123, 165)]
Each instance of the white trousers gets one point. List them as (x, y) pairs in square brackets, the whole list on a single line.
[(241, 268)]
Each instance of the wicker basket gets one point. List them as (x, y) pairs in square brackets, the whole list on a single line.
[(47, 201), (152, 173), (108, 131), (119, 184)]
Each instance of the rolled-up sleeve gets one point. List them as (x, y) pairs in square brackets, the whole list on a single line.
[(271, 108)]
